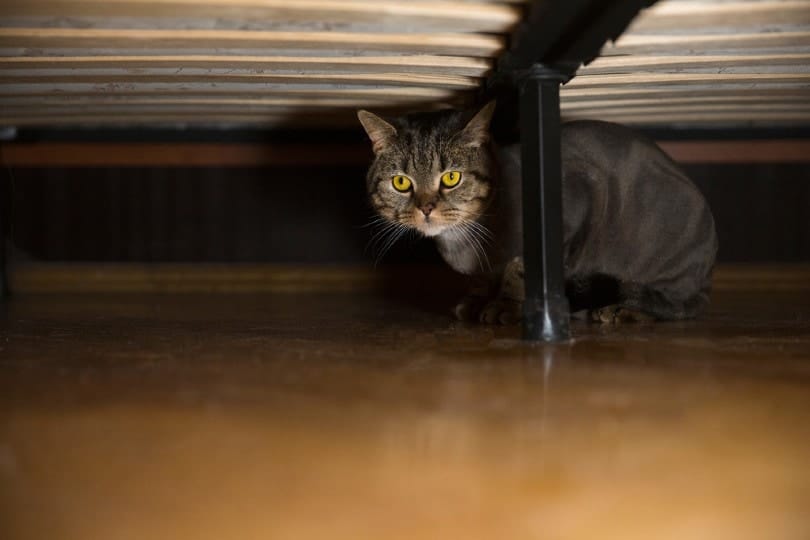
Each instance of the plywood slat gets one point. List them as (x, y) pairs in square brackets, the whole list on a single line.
[(209, 76), (689, 16), (592, 81), (704, 43), (676, 96), (673, 90), (450, 44), (657, 63), (268, 14), (449, 65), (282, 102), (311, 90), (796, 99)]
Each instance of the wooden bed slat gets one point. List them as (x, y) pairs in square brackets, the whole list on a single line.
[(705, 43), (368, 15), (208, 77), (592, 81), (261, 62), (404, 93), (673, 16), (659, 63), (739, 102), (447, 43), (448, 65)]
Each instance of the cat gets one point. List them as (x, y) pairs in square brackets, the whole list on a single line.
[(639, 240)]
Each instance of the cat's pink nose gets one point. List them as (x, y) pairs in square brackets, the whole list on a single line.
[(427, 209)]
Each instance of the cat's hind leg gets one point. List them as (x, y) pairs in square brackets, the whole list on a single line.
[(642, 303)]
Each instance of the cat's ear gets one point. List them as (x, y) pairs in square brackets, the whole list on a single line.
[(476, 132), (379, 131)]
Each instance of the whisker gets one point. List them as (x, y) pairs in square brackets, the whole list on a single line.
[(394, 235), (482, 230), (378, 236), (376, 220)]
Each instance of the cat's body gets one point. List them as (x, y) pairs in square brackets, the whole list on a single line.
[(639, 239)]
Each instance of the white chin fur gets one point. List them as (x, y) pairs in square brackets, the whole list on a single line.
[(431, 229)]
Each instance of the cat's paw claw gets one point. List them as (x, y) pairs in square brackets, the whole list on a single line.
[(502, 311)]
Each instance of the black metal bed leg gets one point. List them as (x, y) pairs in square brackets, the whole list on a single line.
[(546, 310)]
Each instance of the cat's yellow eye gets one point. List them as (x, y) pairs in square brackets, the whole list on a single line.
[(401, 183), (451, 179)]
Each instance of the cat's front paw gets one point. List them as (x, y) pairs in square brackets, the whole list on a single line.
[(502, 311)]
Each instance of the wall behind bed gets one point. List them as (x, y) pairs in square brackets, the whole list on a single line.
[(278, 201)]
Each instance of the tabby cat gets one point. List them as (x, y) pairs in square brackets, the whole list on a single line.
[(639, 239)]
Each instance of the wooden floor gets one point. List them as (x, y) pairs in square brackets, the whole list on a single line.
[(355, 416)]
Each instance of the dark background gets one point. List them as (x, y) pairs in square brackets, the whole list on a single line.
[(316, 212)]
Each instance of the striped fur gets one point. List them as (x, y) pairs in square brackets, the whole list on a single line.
[(639, 239)]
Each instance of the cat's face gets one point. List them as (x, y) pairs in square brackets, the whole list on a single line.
[(430, 173)]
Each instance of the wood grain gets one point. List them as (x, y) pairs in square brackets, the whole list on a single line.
[(144, 39), (353, 15), (693, 16), (406, 63)]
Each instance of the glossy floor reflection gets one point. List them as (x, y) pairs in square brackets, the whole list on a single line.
[(173, 417)]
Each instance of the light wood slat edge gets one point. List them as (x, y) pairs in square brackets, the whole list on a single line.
[(451, 44), (449, 65), (655, 101), (672, 16), (689, 43), (391, 79), (60, 278), (620, 92), (259, 155), (461, 16), (280, 103), (647, 64), (647, 95), (590, 81), (401, 93), (306, 10)]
